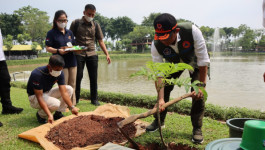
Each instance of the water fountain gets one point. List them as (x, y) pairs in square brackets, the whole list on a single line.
[(216, 43)]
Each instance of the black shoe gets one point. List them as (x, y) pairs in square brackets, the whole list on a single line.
[(197, 136), (11, 110), (57, 115), (1, 124), (96, 103), (154, 126), (40, 120)]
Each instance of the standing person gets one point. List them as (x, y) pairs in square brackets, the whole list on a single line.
[(7, 107), (59, 38), (86, 32), (45, 98), (176, 43)]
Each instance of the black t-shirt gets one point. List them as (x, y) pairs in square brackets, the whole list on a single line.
[(57, 39), (40, 79)]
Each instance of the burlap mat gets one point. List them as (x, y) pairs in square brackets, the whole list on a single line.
[(108, 110)]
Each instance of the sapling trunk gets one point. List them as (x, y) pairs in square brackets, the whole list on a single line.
[(159, 119), (133, 118)]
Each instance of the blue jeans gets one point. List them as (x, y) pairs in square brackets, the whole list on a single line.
[(92, 68)]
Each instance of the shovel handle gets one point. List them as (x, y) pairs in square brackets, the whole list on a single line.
[(133, 118)]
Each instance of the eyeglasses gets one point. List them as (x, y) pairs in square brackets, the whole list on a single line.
[(61, 21)]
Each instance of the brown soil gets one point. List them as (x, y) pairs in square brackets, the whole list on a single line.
[(88, 130), (171, 146)]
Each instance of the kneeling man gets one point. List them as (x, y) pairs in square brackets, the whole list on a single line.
[(44, 97)]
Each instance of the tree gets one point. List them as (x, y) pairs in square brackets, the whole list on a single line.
[(118, 46), (34, 46), (8, 42), (140, 35), (207, 32), (127, 44), (103, 21), (149, 21), (184, 20), (161, 74), (10, 24), (248, 40), (119, 27), (262, 41), (35, 22), (22, 38), (228, 31), (109, 45)]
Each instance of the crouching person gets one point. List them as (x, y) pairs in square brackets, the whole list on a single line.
[(44, 97)]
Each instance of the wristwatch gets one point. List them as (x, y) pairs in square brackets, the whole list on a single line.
[(58, 51), (72, 107), (201, 84)]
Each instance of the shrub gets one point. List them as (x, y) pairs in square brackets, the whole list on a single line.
[(182, 107)]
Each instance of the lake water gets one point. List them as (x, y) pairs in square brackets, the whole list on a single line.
[(235, 81)]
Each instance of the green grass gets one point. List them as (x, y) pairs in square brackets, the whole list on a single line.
[(178, 127), (45, 58)]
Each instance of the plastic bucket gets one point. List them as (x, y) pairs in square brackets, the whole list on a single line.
[(224, 144), (253, 135), (236, 126)]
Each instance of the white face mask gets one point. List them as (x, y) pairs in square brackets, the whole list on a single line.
[(61, 25), (88, 19), (55, 73)]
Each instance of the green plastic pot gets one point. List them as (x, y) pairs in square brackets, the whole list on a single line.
[(253, 135)]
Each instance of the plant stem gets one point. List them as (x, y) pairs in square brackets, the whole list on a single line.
[(159, 120)]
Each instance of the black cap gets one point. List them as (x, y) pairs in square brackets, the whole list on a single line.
[(164, 24)]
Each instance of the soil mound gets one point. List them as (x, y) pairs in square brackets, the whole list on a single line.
[(87, 130)]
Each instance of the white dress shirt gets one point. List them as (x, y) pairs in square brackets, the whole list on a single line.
[(2, 55), (199, 48)]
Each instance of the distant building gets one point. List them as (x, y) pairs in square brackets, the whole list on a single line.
[(260, 48), (21, 52), (141, 45)]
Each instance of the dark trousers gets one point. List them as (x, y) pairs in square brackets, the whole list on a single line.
[(197, 108), (5, 84), (92, 68)]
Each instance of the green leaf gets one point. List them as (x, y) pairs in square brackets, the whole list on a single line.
[(205, 94), (187, 88), (196, 89)]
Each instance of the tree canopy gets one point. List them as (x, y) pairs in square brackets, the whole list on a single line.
[(35, 22), (10, 24)]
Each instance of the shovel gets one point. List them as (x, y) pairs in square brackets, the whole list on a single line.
[(133, 118)]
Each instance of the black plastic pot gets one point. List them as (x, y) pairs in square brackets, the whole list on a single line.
[(236, 126)]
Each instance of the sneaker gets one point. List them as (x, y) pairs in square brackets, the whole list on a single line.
[(57, 115), (154, 126), (40, 120), (96, 103), (1, 124), (11, 110), (197, 136)]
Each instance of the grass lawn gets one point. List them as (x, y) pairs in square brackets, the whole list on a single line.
[(178, 127)]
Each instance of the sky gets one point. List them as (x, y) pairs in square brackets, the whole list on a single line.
[(212, 13)]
